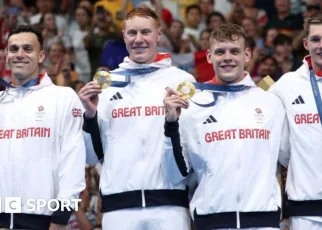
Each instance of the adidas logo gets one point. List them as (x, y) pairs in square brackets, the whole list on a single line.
[(298, 100), (210, 119), (116, 96)]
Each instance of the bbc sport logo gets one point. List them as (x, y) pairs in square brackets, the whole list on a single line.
[(14, 204)]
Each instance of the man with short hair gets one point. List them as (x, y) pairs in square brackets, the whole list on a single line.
[(230, 138), (300, 93), (42, 153), (124, 128)]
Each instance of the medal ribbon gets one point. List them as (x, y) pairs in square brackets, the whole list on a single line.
[(217, 89), (30, 83), (316, 93), (129, 73)]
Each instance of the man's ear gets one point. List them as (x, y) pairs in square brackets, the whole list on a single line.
[(41, 56), (209, 56)]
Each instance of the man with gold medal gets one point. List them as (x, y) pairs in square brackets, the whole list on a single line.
[(229, 136), (123, 125)]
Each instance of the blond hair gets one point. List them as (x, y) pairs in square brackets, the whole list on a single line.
[(227, 31), (314, 20)]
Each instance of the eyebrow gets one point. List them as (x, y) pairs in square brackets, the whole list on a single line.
[(23, 45)]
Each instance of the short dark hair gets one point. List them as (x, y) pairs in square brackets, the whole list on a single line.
[(215, 14), (268, 56), (282, 39), (190, 7), (28, 29), (228, 31)]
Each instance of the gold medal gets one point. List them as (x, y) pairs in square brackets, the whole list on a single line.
[(186, 90), (103, 78)]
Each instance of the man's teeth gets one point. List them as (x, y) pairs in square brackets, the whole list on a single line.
[(139, 48)]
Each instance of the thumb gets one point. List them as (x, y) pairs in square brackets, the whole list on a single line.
[(171, 92)]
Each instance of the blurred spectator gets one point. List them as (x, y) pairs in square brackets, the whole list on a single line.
[(269, 36), (77, 34), (47, 6), (54, 59), (183, 4), (161, 11), (177, 43), (284, 54), (250, 27), (203, 70), (285, 22), (215, 19), (98, 36), (8, 21), (192, 26), (251, 11), (206, 6), (267, 66), (27, 10), (67, 74), (237, 13), (5, 72), (87, 4), (312, 7), (115, 9), (51, 33)]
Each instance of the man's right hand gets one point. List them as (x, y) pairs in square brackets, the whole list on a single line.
[(89, 97), (173, 104)]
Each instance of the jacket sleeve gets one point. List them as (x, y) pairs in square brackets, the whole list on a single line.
[(175, 164), (93, 141), (284, 153), (70, 169)]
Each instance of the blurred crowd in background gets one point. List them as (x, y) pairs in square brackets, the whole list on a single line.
[(84, 36)]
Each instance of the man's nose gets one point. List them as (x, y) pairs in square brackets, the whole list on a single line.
[(138, 37), (20, 52), (227, 56)]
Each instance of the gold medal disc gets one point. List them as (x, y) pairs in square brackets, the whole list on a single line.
[(103, 78), (186, 90)]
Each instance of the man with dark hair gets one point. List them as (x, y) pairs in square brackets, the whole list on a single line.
[(230, 138), (300, 92), (214, 20), (42, 154), (284, 53)]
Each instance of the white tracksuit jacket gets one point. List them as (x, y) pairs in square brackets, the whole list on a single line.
[(302, 152), (131, 121), (232, 148), (42, 151)]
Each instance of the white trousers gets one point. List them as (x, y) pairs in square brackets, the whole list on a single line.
[(151, 218), (300, 223)]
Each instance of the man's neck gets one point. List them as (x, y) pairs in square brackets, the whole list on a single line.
[(316, 67), (18, 82), (223, 82)]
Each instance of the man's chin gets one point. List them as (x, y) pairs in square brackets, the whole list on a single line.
[(228, 79)]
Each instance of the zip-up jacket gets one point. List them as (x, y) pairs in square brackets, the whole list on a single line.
[(232, 147), (42, 152), (129, 127), (303, 149)]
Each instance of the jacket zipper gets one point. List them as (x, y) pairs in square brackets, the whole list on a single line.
[(11, 220), (238, 192), (143, 198)]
